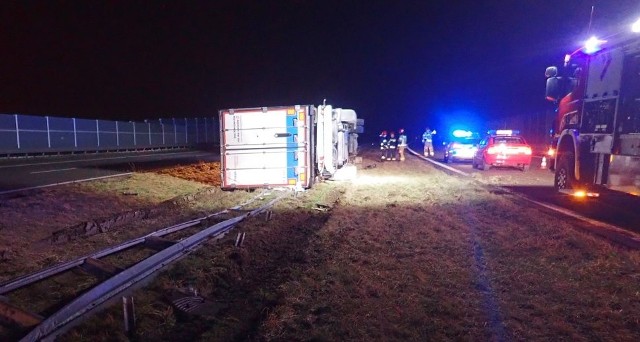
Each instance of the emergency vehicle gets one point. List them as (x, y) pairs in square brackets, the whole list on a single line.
[(596, 139), (461, 147), (503, 147), (288, 146)]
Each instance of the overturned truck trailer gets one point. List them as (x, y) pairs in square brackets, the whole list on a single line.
[(289, 146)]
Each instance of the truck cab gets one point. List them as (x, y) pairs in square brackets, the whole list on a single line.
[(597, 133)]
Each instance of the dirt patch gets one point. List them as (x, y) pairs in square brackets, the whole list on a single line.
[(203, 172)]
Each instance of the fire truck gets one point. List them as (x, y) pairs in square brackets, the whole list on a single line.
[(596, 135)]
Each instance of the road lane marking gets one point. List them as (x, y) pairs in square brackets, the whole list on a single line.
[(94, 159), (56, 170), (63, 183), (607, 231), (438, 163)]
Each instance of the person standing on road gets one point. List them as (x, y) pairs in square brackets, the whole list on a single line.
[(392, 146), (383, 145), (427, 140), (402, 143)]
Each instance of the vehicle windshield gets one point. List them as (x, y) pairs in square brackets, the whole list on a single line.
[(508, 140), (465, 140)]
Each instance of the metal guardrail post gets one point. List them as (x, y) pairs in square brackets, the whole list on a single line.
[(98, 133), (117, 135), (186, 132), (134, 133), (75, 134), (149, 126), (175, 131), (17, 131), (162, 127), (48, 133), (129, 312)]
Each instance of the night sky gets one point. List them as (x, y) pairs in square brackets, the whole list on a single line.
[(397, 63)]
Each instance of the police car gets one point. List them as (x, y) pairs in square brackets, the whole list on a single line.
[(503, 147), (462, 146)]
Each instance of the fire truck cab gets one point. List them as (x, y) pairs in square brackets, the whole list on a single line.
[(597, 128)]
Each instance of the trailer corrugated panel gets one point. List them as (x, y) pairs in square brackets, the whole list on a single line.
[(266, 147)]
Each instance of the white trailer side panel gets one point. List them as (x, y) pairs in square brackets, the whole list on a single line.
[(266, 147)]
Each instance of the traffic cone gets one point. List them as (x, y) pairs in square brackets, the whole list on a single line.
[(543, 164)]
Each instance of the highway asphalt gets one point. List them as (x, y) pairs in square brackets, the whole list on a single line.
[(619, 209), (19, 174)]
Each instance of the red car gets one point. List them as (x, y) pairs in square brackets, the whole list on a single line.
[(503, 148)]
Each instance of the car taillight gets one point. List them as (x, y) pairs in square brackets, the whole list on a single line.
[(526, 150), (492, 150)]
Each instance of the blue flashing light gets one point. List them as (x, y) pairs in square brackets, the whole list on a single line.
[(593, 45), (460, 133)]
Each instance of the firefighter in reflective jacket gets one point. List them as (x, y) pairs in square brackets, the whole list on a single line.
[(383, 145), (402, 143), (392, 146), (427, 140)]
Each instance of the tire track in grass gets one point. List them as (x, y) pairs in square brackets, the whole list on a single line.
[(483, 284)]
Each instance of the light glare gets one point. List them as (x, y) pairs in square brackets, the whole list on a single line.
[(504, 132), (593, 45), (460, 133), (580, 193), (636, 26)]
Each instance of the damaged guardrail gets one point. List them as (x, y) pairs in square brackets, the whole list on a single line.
[(52, 326)]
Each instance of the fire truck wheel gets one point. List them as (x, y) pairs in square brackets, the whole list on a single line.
[(564, 175)]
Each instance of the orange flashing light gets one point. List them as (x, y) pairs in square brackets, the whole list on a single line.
[(302, 177), (301, 116), (583, 194), (291, 111), (580, 194)]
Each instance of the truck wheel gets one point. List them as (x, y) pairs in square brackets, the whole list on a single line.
[(564, 175), (525, 167), (445, 159), (482, 166), (473, 163)]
